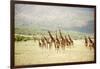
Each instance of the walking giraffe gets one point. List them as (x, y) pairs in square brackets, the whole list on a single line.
[(70, 39), (67, 42), (62, 41), (86, 41), (48, 44), (52, 40), (57, 42), (91, 43)]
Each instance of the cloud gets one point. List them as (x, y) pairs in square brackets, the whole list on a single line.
[(53, 16)]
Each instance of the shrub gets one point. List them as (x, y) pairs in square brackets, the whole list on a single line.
[(21, 38)]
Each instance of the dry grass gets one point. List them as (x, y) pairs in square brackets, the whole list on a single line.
[(28, 52)]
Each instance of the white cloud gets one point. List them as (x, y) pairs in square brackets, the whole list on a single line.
[(53, 16)]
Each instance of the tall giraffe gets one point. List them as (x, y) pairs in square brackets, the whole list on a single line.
[(40, 43), (86, 41), (91, 43), (48, 44), (52, 41), (43, 43), (57, 41), (71, 41), (62, 40), (67, 41)]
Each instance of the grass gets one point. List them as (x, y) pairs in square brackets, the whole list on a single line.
[(28, 52)]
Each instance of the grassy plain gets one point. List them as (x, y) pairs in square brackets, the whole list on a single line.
[(28, 52)]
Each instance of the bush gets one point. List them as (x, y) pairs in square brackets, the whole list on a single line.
[(21, 38)]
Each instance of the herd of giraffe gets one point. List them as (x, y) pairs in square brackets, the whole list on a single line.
[(57, 42), (89, 42), (61, 41)]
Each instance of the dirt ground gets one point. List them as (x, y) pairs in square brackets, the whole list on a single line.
[(28, 53)]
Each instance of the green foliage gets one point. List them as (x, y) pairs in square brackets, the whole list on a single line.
[(21, 38)]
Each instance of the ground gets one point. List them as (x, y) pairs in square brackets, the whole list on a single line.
[(29, 53)]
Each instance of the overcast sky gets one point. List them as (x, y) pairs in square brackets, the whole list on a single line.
[(69, 18)]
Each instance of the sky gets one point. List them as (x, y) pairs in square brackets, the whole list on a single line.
[(55, 17)]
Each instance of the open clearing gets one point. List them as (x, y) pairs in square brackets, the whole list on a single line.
[(29, 53)]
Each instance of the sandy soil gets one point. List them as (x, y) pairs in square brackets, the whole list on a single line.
[(28, 52)]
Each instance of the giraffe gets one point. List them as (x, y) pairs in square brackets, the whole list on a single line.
[(62, 40), (86, 41), (70, 39), (52, 39), (43, 43), (40, 43), (67, 41), (57, 41), (91, 43), (48, 44)]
